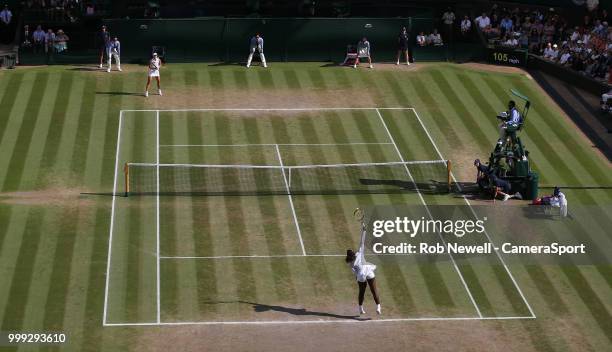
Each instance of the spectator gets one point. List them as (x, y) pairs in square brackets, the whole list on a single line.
[(565, 58), (49, 41), (466, 25), (39, 39), (90, 10), (511, 41), (551, 52), (483, 21), (6, 16), (421, 40), (61, 41), (534, 40), (435, 38), (548, 32), (506, 25), (524, 40)]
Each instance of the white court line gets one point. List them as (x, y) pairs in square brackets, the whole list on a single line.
[(429, 213), (269, 109), (297, 224), (112, 221), (321, 321), (157, 213), (255, 256), (274, 144), (501, 259)]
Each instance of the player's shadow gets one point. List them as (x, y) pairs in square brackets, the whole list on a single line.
[(431, 187), (260, 308), (119, 93)]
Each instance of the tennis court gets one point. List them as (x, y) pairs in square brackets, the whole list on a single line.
[(202, 245)]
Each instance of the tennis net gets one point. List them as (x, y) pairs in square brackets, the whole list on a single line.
[(192, 179)]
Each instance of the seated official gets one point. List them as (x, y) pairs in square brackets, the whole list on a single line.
[(510, 119)]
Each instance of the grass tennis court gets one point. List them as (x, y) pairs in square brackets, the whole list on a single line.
[(184, 259), (280, 239)]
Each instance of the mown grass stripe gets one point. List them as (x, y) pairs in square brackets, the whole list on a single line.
[(169, 233), (58, 116), (24, 136), (319, 274), (442, 121), (94, 289), (81, 142), (550, 295), (102, 115), (202, 238), (23, 272), (61, 267), (242, 270), (291, 79), (8, 100), (461, 110), (265, 79), (594, 304), (5, 216)]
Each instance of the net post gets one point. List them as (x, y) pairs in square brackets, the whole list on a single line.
[(126, 171), (448, 175)]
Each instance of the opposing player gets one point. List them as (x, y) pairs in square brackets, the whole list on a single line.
[(154, 66), (114, 51), (257, 43), (364, 273)]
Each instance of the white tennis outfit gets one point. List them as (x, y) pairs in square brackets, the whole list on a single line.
[(362, 269), (154, 65)]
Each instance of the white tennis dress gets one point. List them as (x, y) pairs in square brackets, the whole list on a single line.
[(154, 65), (362, 269)]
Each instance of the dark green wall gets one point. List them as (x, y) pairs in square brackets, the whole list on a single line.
[(286, 39)]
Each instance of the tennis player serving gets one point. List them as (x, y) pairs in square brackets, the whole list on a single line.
[(364, 271), (154, 66)]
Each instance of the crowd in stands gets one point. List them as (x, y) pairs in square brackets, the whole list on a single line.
[(585, 47), (434, 38), (61, 10)]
